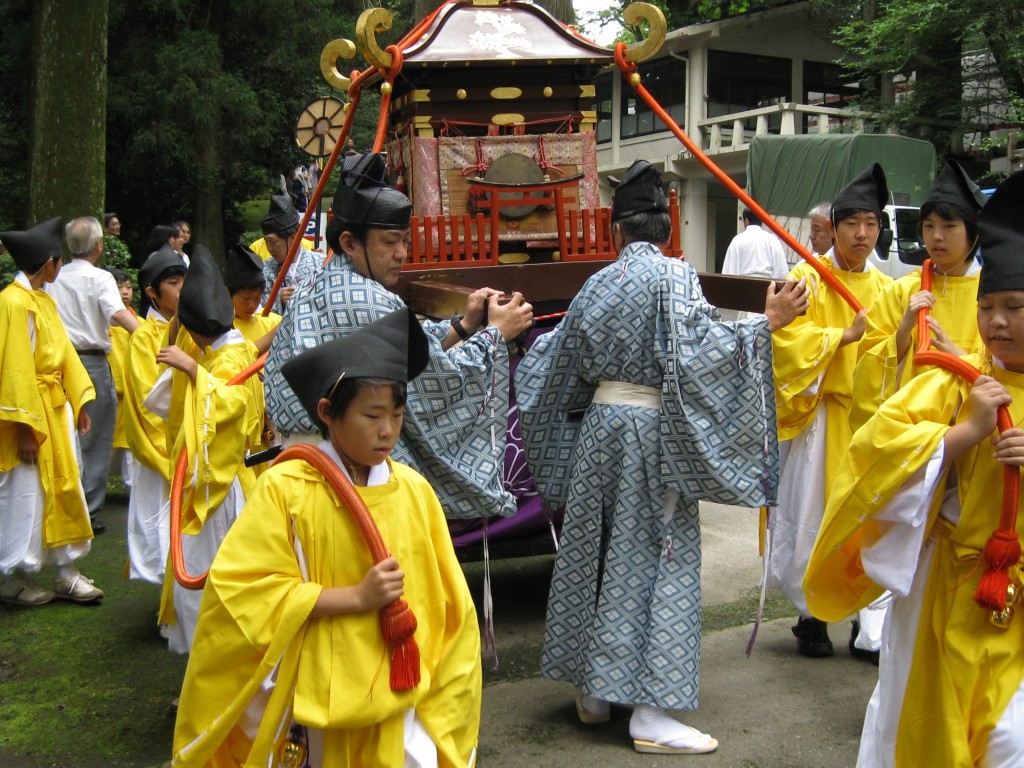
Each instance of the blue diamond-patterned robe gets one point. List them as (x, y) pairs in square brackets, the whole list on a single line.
[(623, 618), (457, 411), (301, 270)]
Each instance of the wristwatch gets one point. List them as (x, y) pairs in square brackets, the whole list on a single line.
[(457, 325)]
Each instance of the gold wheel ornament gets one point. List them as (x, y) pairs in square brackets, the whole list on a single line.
[(371, 23), (657, 29), (334, 50), (319, 126)]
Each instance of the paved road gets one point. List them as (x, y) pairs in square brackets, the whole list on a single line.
[(774, 709)]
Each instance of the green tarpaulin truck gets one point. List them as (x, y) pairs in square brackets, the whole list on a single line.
[(789, 175)]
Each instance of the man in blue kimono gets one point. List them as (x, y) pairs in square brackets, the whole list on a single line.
[(675, 406), (457, 412)]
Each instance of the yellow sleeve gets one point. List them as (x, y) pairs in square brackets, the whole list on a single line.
[(20, 401), (254, 612), (891, 446), (450, 711), (217, 420), (802, 352), (879, 372), (145, 432)]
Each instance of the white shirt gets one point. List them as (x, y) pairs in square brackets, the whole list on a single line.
[(756, 253), (86, 298)]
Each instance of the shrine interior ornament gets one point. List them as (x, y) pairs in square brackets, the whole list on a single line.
[(657, 29), (319, 126)]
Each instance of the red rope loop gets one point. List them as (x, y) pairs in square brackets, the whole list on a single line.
[(181, 574), (1003, 549)]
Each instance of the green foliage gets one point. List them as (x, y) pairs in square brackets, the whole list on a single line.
[(115, 253), (192, 81), (15, 49), (7, 270), (925, 39)]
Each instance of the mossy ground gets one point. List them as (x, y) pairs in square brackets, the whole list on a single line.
[(85, 686)]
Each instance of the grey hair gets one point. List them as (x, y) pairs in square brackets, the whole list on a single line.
[(82, 234), (820, 211), (649, 227)]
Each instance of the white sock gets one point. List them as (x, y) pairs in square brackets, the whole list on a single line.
[(655, 724), (67, 572), (595, 705)]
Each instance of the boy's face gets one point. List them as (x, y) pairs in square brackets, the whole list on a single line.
[(166, 300), (856, 236), (127, 292), (1001, 324), (246, 302), (368, 430), (945, 240)]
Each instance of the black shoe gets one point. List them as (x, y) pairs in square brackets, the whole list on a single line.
[(860, 653), (812, 638), (98, 526)]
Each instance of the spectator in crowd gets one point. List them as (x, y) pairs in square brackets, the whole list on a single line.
[(755, 252), (112, 225), (89, 303), (44, 387), (822, 234), (159, 236), (185, 235)]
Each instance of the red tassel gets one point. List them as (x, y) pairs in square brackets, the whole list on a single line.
[(405, 665), (1001, 552), (397, 625), (397, 622)]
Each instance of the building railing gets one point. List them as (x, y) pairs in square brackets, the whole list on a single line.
[(730, 133)]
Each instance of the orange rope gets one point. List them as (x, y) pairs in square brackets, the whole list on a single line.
[(181, 573), (1002, 550), (628, 69)]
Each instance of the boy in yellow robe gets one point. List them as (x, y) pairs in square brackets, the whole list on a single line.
[(213, 423), (289, 645), (119, 336), (915, 502), (43, 388), (949, 229), (160, 281), (243, 275), (814, 358)]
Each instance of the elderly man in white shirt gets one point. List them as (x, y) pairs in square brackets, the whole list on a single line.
[(88, 302)]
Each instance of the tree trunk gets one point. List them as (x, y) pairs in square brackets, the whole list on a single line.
[(69, 109), (208, 226)]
